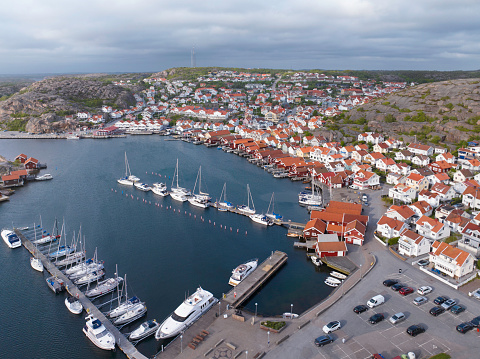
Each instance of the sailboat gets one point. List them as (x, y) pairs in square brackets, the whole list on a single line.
[(125, 306), (178, 193), (223, 205), (245, 209), (129, 179), (272, 215), (312, 199), (202, 199), (104, 287), (34, 261)]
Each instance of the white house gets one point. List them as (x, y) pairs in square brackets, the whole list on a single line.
[(389, 228), (402, 192), (413, 244), (452, 261), (432, 229)]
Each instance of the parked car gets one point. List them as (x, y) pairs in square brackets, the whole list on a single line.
[(397, 287), (414, 330), (324, 339), (476, 321), (440, 300), (423, 262), (360, 308), (420, 300), (475, 293), (390, 282), (457, 309), (449, 303), (364, 197), (376, 318), (437, 311), (332, 326), (397, 318), (464, 327), (406, 290), (425, 289), (377, 300)]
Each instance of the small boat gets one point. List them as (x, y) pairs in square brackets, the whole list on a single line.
[(338, 275), (90, 277), (73, 305), (142, 186), (104, 287), (36, 264), (223, 205), (81, 269), (73, 137), (46, 239), (288, 315), (62, 251), (56, 284), (178, 193), (243, 271), (70, 259), (10, 238), (261, 219), (160, 189), (144, 330), (332, 282), (317, 261), (134, 313), (178, 196), (273, 216), (45, 177), (98, 334), (309, 199)]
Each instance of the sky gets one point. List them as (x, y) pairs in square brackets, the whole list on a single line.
[(52, 36)]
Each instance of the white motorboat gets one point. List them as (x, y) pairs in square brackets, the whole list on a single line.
[(245, 209), (188, 312), (261, 219), (317, 261), (73, 305), (142, 186), (144, 330), (177, 196), (338, 275), (45, 177), (243, 271), (90, 277), (160, 189), (104, 287), (73, 137), (332, 282), (137, 311), (223, 204), (288, 315), (180, 193), (129, 179), (198, 201), (10, 238), (98, 334), (36, 264)]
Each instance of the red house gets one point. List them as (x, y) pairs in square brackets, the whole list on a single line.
[(441, 166), (331, 249), (354, 233), (313, 228), (31, 163), (21, 157)]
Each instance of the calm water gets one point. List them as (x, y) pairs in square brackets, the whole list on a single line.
[(165, 253)]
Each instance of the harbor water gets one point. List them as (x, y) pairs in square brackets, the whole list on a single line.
[(166, 248)]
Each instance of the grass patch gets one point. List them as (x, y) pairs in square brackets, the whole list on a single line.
[(441, 356), (273, 325)]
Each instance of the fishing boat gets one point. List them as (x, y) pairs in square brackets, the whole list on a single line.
[(338, 275), (186, 314), (160, 189), (104, 287), (142, 186), (90, 277), (243, 271), (56, 284), (317, 261), (73, 305), (261, 219), (10, 238), (332, 282), (98, 334), (200, 199), (245, 209), (134, 313), (223, 205), (129, 179), (178, 193), (272, 215), (144, 330)]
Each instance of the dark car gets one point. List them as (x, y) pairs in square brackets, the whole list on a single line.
[(464, 327), (405, 290), (440, 300), (437, 311), (457, 309), (376, 318), (414, 330), (397, 287), (389, 282), (360, 308), (324, 339), (475, 321)]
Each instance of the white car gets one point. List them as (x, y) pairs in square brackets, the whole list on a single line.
[(424, 290), (475, 293), (397, 318), (331, 327)]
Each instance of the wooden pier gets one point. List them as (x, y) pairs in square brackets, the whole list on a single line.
[(122, 342), (249, 285)]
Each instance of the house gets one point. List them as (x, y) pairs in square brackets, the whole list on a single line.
[(440, 177), (373, 158), (416, 181), (402, 192), (445, 192), (390, 228), (401, 213), (314, 228), (440, 166), (433, 199), (364, 179), (432, 229), (447, 157), (421, 208), (384, 164), (420, 149), (12, 180), (381, 147), (472, 165), (31, 163), (394, 178), (462, 175), (471, 238), (331, 249), (412, 244), (354, 233), (457, 220), (452, 261), (21, 158), (471, 197), (421, 160), (404, 155)]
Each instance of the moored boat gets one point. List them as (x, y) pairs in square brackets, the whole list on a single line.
[(160, 189), (144, 330), (134, 313), (98, 334), (338, 275), (288, 315), (332, 282), (123, 307), (142, 186), (90, 277), (243, 271), (104, 287), (129, 179), (62, 251), (246, 209), (45, 177), (73, 305), (261, 219), (36, 264), (10, 238), (223, 204), (317, 261)]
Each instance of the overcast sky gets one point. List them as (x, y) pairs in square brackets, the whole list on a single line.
[(151, 35)]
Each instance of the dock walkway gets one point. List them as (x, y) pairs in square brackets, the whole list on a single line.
[(122, 342)]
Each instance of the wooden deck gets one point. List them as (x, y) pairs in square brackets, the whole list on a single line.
[(122, 342)]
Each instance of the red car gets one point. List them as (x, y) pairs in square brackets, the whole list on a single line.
[(405, 290)]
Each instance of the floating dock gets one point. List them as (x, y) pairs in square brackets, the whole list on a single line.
[(122, 342)]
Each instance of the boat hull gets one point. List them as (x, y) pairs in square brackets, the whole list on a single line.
[(36, 264), (11, 239)]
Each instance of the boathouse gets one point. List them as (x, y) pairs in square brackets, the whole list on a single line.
[(313, 229), (12, 181), (31, 164), (21, 158), (331, 249)]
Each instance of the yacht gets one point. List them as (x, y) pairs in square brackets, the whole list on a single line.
[(10, 238), (243, 271), (178, 196), (200, 199), (178, 193), (142, 186), (73, 305), (104, 287), (317, 261), (129, 179), (124, 307), (45, 177), (98, 334), (81, 269), (186, 314), (223, 204), (90, 277), (36, 264), (160, 189), (144, 330), (73, 137), (261, 219), (61, 252), (245, 208), (137, 311)]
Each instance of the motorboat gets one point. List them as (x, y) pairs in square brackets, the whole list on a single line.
[(104, 287), (261, 219), (129, 179), (178, 196), (317, 261), (332, 282), (36, 264), (11, 238), (243, 271), (288, 315), (137, 311), (98, 334), (56, 284), (142, 186), (338, 275), (73, 305), (90, 277), (73, 137), (124, 307), (198, 201), (186, 314), (144, 330), (246, 209), (61, 251), (45, 177), (160, 189)]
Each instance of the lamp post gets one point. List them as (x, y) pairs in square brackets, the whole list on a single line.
[(291, 311), (181, 343), (268, 340), (361, 275), (246, 354), (219, 305), (255, 311)]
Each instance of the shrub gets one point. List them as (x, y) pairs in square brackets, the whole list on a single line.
[(273, 325), (389, 118)]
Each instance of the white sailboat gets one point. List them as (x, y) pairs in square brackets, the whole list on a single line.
[(178, 193), (306, 199), (125, 306), (202, 199), (36, 263), (134, 313), (223, 205), (245, 209), (129, 179), (272, 215)]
